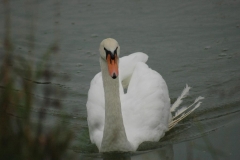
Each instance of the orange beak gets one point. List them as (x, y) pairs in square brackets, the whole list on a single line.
[(112, 66)]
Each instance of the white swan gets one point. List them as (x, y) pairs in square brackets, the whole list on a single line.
[(121, 121)]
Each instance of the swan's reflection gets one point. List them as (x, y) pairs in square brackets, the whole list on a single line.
[(164, 153)]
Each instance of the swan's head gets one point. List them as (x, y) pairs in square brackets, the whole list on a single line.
[(109, 52)]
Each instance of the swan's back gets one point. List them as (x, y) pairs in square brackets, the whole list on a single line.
[(145, 106)]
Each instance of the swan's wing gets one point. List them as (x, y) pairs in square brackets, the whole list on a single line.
[(127, 65), (96, 110), (145, 106)]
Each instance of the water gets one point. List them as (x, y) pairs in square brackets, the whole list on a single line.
[(193, 42)]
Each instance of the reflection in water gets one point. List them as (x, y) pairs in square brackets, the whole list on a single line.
[(164, 153), (116, 156)]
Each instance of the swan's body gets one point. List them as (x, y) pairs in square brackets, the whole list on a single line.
[(121, 121)]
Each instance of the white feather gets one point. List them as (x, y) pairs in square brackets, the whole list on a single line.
[(198, 99), (180, 111), (179, 100)]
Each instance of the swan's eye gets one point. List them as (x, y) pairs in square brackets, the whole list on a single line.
[(107, 52)]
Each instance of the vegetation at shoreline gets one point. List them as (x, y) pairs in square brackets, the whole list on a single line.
[(20, 138)]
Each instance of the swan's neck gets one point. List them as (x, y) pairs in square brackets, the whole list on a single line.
[(114, 135)]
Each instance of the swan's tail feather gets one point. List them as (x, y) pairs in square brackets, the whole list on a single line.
[(198, 99), (180, 114), (179, 99), (182, 110), (175, 121)]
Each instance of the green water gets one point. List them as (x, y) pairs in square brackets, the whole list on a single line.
[(193, 42)]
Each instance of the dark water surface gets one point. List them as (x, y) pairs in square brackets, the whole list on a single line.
[(193, 42)]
